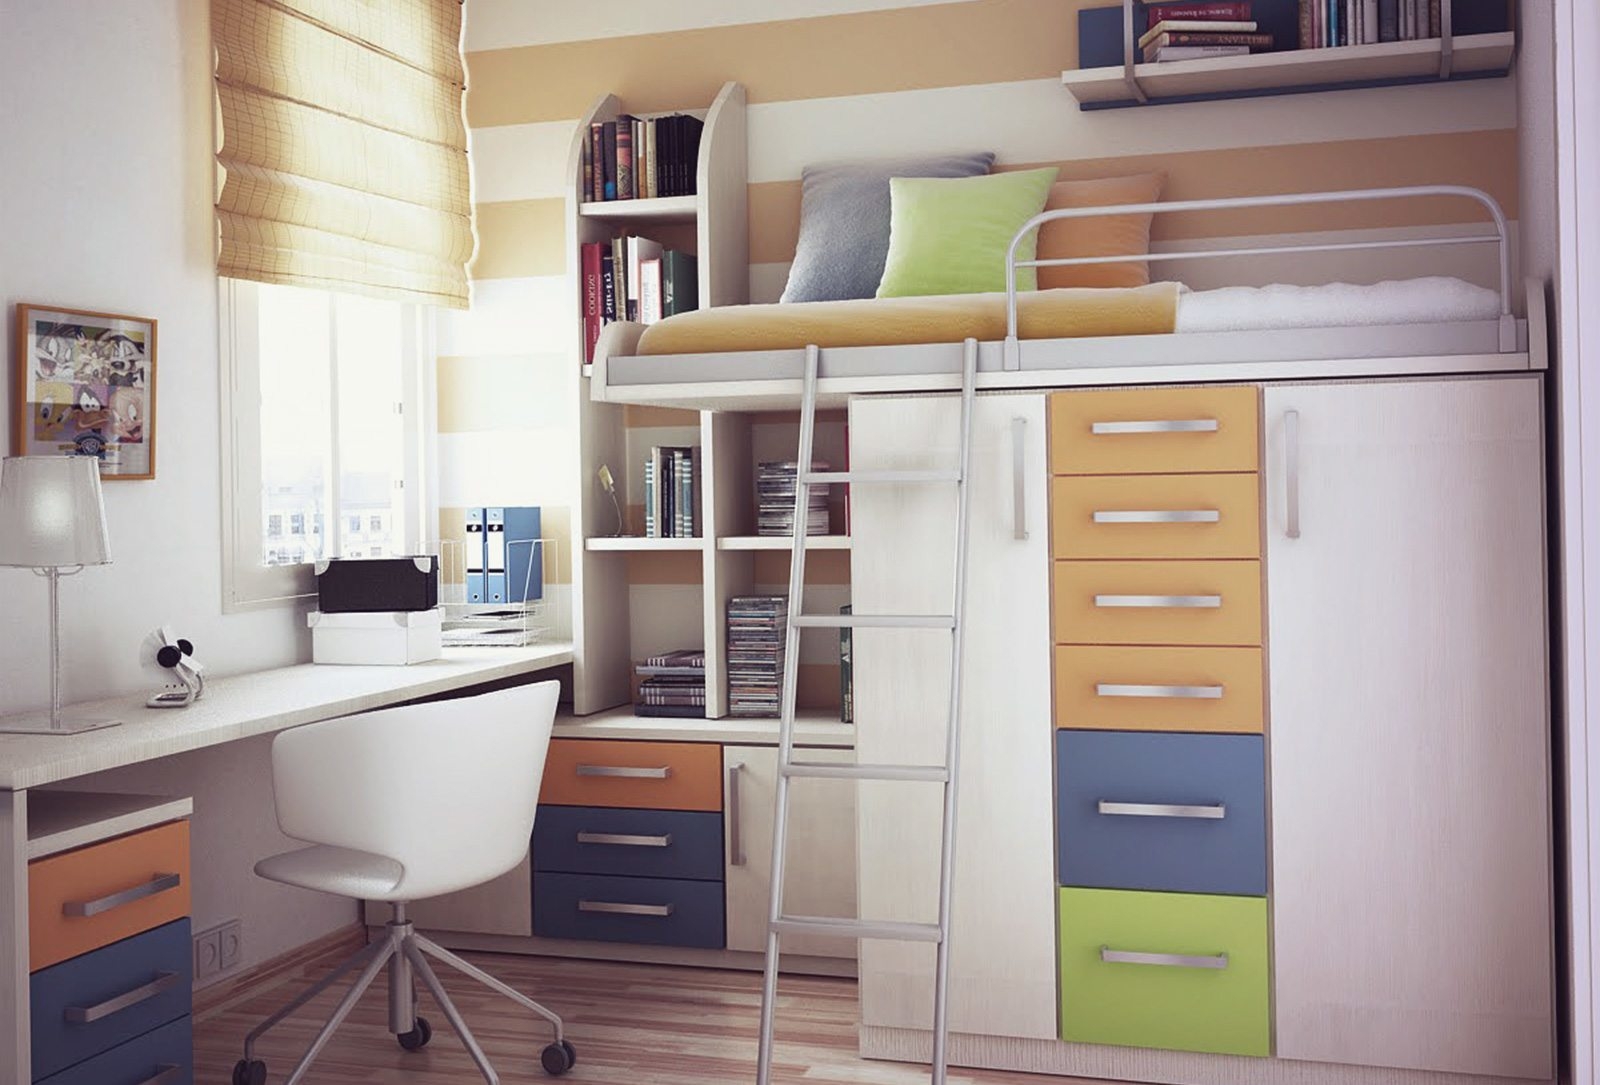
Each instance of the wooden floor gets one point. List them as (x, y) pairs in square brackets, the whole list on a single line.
[(632, 1025)]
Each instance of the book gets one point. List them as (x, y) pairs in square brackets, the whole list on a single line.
[(1388, 20), (592, 287), (680, 283), (1196, 9), (608, 132), (1435, 19), (650, 290), (619, 266), (1198, 26), (639, 249), (1194, 52), (650, 159), (1307, 26), (608, 285), (597, 156), (624, 125), (1185, 38), (588, 169), (847, 691), (651, 529), (691, 658)]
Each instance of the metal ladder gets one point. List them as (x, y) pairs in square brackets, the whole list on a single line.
[(946, 774)]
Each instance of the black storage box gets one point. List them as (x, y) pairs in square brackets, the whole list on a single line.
[(366, 585)]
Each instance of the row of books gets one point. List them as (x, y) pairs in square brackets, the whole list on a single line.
[(1327, 23), (673, 684), (775, 486), (672, 493), (633, 158), (757, 626), (1190, 29), (634, 278)]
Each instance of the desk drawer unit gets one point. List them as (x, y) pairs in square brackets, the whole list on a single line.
[(1168, 970), (164, 1056), (1154, 431), (1156, 516), (637, 843), (84, 899), (1159, 689), (648, 911), (107, 997), (648, 775), (1158, 602), (1182, 813)]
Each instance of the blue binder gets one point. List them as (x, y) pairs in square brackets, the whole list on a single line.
[(476, 553), (515, 559)]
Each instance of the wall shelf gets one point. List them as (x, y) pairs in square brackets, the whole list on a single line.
[(1293, 71), (660, 209), (782, 542)]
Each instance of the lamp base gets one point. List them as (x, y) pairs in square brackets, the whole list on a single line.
[(38, 723)]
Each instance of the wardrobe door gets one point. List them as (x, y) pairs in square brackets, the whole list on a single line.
[(1409, 725), (1002, 953)]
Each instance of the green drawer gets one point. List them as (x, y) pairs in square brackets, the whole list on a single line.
[(1192, 974)]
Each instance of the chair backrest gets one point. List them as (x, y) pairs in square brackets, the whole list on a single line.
[(448, 789)]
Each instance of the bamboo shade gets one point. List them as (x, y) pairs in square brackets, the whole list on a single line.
[(341, 148)]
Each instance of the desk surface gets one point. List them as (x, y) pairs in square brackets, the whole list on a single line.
[(252, 704)]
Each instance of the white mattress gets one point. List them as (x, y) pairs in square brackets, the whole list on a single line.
[(1431, 300)]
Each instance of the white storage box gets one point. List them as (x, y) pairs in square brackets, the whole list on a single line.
[(386, 638)]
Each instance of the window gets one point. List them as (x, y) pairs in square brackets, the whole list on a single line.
[(326, 396)]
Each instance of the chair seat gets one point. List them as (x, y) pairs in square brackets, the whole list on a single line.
[(343, 872)]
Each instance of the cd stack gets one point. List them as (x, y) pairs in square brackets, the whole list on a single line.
[(756, 625), (775, 482), (674, 684)]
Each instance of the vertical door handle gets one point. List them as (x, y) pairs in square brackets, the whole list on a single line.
[(735, 836), (1019, 478), (1291, 474)]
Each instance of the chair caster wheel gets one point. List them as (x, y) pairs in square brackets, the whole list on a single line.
[(558, 1058), (249, 1072), (418, 1037)]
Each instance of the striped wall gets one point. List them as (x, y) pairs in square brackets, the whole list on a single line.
[(878, 77)]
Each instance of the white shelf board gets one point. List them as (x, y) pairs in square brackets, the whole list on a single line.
[(782, 542), (62, 820), (1291, 69), (811, 728), (660, 209), (639, 542)]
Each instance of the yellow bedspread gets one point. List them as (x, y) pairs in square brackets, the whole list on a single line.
[(1044, 314)]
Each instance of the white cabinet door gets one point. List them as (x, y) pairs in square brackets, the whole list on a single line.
[(1003, 974), (1409, 725), (820, 878)]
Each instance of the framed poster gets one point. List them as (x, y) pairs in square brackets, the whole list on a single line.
[(86, 386)]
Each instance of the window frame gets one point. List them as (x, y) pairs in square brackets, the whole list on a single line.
[(248, 583)]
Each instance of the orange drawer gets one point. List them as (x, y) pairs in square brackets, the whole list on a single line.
[(84, 899), (1153, 431), (650, 775), (1156, 516), (1159, 689), (1158, 602)]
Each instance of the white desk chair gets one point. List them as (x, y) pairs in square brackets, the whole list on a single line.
[(400, 805)]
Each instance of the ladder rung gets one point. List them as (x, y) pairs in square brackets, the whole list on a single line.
[(936, 774), (873, 621), (858, 928), (822, 478)]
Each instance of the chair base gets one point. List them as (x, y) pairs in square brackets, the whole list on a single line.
[(405, 954)]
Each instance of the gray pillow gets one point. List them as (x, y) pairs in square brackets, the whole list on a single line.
[(844, 221)]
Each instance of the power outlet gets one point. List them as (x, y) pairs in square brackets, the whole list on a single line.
[(217, 949)]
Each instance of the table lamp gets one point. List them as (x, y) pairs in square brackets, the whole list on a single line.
[(53, 521)]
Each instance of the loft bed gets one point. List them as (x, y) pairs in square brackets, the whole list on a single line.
[(753, 357)]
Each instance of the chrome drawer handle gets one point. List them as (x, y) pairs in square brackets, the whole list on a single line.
[(1173, 425), (1166, 960), (606, 907), (1162, 810), (626, 840), (82, 909), (1157, 516), (1019, 479), (1291, 474), (87, 1015), (1193, 693), (660, 772), (1186, 602), (165, 1072), (735, 816)]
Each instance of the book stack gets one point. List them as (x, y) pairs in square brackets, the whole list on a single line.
[(756, 630), (634, 278), (1192, 29), (1328, 23), (775, 483), (674, 684), (672, 493), (634, 158)]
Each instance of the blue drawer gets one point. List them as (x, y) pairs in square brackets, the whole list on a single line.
[(1152, 810), (162, 1057), (640, 843), (92, 1003), (645, 911)]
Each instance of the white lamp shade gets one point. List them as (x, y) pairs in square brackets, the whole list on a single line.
[(51, 512)]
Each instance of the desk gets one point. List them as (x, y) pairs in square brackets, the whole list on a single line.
[(233, 708)]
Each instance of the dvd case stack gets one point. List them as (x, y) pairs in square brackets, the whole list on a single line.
[(674, 684), (775, 483), (756, 625)]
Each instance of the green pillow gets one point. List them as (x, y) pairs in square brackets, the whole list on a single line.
[(948, 235)]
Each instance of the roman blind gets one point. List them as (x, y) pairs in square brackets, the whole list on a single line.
[(341, 148)]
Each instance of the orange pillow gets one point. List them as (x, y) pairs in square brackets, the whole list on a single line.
[(1104, 235)]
